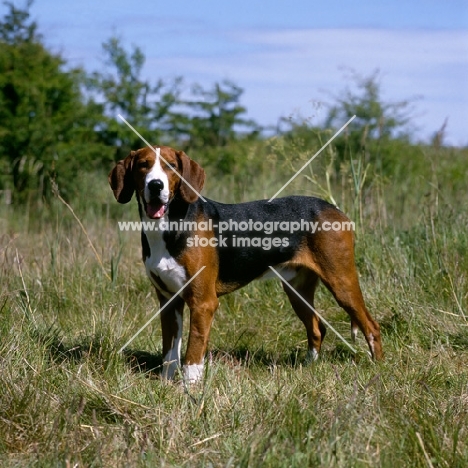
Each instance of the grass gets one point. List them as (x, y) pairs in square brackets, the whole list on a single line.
[(68, 398)]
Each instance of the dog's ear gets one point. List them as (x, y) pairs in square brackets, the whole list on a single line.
[(121, 180), (193, 174)]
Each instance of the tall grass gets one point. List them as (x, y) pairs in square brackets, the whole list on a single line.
[(68, 398)]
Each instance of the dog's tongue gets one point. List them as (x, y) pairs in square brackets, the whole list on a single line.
[(155, 212)]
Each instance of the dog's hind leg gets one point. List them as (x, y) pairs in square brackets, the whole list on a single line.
[(332, 255), (348, 294), (305, 283)]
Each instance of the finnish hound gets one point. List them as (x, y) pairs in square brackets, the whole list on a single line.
[(183, 234)]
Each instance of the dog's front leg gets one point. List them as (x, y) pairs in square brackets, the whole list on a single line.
[(201, 317), (171, 325)]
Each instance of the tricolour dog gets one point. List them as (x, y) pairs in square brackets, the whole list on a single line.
[(232, 245)]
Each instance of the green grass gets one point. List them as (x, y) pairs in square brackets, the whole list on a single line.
[(68, 398)]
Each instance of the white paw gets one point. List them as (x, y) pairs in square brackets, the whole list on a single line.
[(193, 373), (312, 355)]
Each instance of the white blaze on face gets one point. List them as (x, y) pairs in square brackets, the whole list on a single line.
[(158, 155), (155, 173)]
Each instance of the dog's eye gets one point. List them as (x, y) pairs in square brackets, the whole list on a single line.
[(173, 165), (143, 164)]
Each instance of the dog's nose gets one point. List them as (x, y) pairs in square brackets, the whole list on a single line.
[(155, 186)]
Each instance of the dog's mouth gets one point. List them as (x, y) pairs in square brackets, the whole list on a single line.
[(156, 209)]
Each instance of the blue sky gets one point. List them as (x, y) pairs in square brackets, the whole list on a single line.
[(290, 57)]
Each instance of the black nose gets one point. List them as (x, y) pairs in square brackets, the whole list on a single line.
[(155, 186)]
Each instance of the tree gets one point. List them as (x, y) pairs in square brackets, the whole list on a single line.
[(377, 122), (122, 90), (215, 117), (46, 128), (15, 28), (159, 112), (377, 118), (211, 122)]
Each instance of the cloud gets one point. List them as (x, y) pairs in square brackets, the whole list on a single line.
[(283, 70)]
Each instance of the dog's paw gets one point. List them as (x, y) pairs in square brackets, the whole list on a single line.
[(193, 373)]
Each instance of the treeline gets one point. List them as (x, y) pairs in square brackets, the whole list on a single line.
[(57, 121)]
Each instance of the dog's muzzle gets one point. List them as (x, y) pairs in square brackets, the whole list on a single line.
[(155, 207)]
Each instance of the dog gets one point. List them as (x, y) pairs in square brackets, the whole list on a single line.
[(198, 264)]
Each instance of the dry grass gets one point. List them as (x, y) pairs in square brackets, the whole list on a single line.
[(69, 399)]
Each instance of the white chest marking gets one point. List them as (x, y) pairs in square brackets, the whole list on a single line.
[(163, 265), (160, 262)]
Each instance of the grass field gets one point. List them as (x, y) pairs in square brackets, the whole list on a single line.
[(68, 398)]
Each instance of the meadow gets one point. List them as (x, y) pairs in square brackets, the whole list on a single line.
[(71, 295)]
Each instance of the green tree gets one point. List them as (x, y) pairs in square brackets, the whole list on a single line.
[(46, 128), (121, 90), (162, 112), (376, 125), (216, 116), (211, 122)]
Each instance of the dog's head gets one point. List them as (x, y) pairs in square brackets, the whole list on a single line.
[(158, 175)]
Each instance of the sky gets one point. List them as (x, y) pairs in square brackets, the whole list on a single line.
[(290, 57)]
